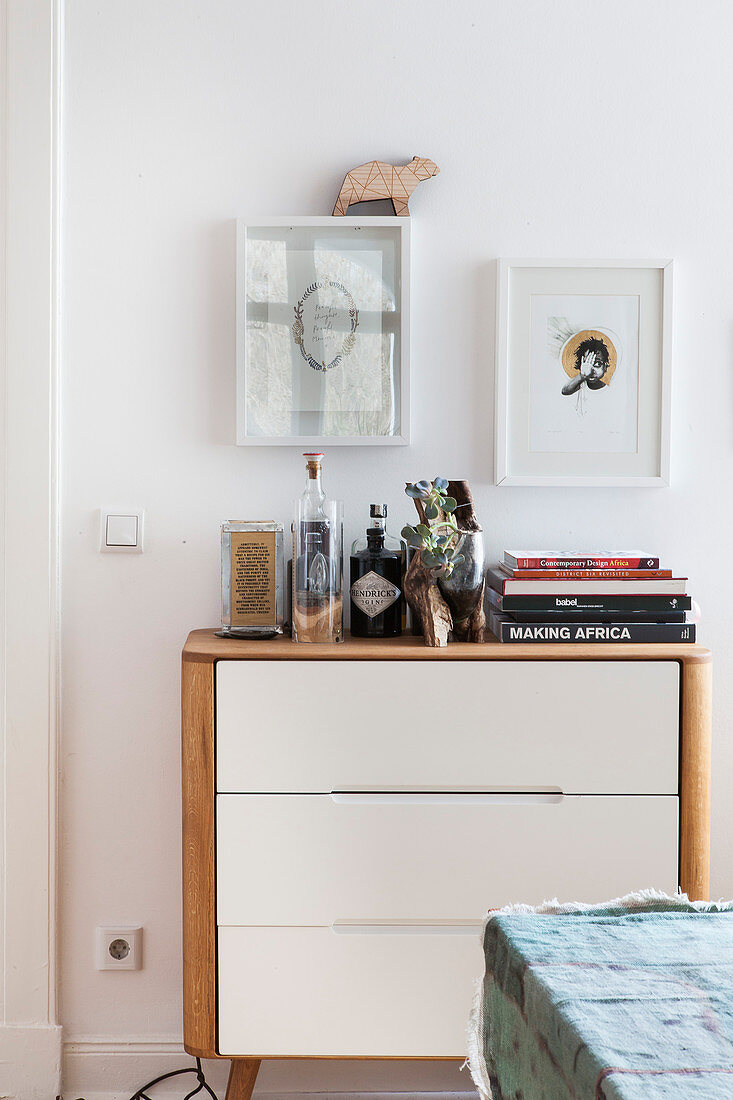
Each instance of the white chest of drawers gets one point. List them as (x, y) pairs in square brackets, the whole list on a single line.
[(350, 812)]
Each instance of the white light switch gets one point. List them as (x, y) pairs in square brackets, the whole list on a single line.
[(121, 531)]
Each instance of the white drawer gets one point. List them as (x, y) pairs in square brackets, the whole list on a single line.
[(313, 860), (314, 992), (590, 727)]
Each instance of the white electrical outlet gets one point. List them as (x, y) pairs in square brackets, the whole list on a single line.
[(119, 947)]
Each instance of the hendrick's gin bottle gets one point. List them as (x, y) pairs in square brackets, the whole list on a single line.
[(377, 600)]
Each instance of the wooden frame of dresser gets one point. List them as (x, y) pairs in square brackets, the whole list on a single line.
[(200, 655)]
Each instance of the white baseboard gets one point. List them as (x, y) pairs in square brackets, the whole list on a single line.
[(30, 1062), (113, 1071), (100, 1069)]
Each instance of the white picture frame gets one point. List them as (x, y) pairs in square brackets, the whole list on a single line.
[(291, 309), (616, 442)]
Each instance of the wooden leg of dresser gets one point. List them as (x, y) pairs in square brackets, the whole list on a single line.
[(242, 1076), (695, 781)]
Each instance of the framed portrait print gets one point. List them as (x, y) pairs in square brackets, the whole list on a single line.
[(323, 307), (583, 372)]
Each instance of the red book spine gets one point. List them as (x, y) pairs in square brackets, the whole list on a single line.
[(588, 574), (587, 563)]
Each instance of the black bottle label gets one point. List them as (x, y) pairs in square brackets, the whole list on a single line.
[(373, 594)]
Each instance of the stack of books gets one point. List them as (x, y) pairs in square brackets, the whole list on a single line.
[(559, 597)]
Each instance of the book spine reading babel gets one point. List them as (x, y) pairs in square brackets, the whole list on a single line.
[(536, 596)]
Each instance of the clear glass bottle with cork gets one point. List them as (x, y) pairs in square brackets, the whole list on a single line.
[(318, 538)]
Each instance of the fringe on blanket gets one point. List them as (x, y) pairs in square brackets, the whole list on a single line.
[(653, 899)]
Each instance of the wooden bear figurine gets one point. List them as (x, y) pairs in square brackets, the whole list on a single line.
[(378, 180)]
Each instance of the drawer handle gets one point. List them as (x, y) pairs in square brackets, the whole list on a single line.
[(406, 928), (448, 798)]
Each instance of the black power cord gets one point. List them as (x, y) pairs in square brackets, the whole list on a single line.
[(201, 1085)]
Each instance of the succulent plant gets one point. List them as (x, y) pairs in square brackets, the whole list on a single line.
[(439, 542)]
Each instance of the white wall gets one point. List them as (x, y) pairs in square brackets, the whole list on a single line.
[(569, 129)]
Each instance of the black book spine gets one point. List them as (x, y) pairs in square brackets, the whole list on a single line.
[(618, 604), (598, 632), (598, 616)]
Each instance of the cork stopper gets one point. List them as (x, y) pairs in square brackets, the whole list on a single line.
[(313, 464)]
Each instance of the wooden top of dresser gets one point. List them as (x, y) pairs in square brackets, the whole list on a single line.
[(203, 646)]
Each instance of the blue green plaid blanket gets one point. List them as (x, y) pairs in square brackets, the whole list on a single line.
[(628, 1001)]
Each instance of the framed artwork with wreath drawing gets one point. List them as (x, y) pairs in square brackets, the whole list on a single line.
[(323, 331)]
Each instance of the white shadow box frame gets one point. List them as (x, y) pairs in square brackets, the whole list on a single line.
[(323, 327), (583, 372)]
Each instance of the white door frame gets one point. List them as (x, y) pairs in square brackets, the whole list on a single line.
[(30, 1038)]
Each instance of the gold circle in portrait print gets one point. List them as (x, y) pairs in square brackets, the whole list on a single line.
[(568, 353)]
